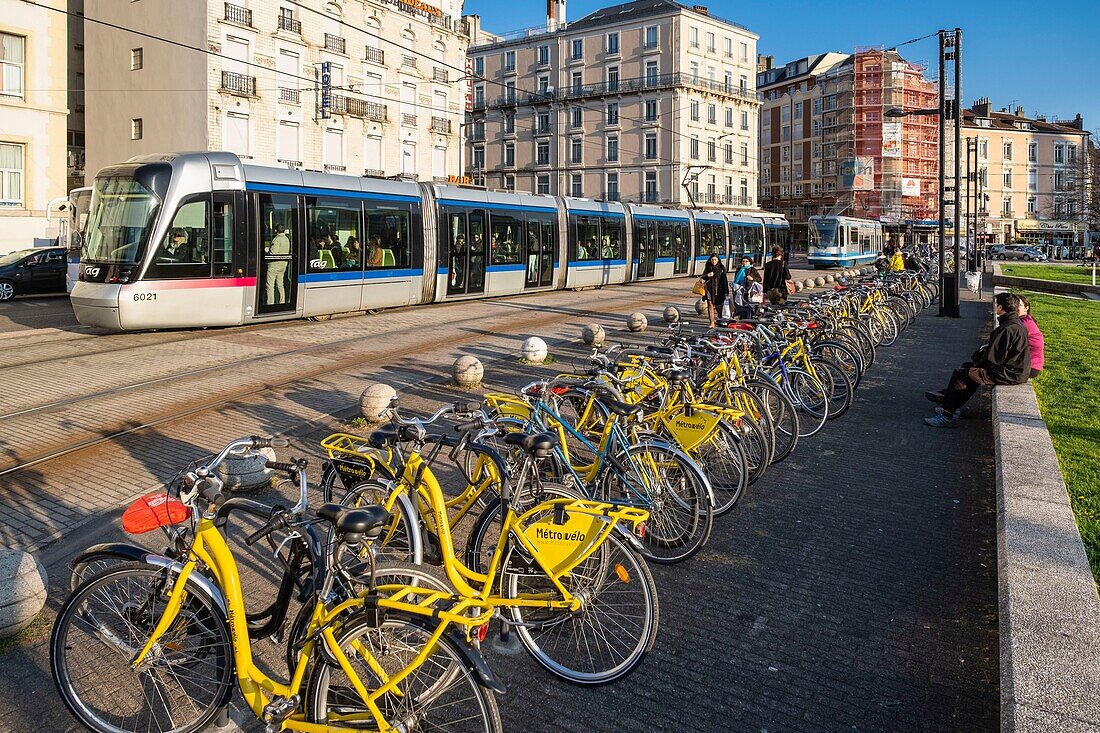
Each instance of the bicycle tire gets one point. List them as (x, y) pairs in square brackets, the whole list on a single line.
[(841, 392), (560, 642), (845, 356), (440, 684), (783, 415), (403, 539), (810, 399), (724, 460), (199, 647)]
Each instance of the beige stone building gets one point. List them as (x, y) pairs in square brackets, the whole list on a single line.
[(628, 103), (823, 118), (392, 104), (75, 126), (33, 80), (1032, 178)]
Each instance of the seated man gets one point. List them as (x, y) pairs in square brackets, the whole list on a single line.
[(1006, 359)]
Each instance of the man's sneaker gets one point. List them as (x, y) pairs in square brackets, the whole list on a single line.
[(936, 397), (941, 420), (957, 416)]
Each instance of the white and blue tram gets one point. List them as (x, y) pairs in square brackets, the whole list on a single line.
[(843, 241), (202, 239)]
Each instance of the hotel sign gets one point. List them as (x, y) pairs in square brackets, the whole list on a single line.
[(415, 7)]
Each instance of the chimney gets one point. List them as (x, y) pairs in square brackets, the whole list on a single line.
[(1019, 111), (555, 15), (763, 63), (700, 9), (981, 107)]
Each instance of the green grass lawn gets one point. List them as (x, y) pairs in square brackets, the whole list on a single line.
[(1062, 273), (1069, 397)]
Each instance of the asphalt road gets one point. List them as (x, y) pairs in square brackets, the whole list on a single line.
[(29, 312)]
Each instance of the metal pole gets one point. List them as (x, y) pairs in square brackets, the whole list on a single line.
[(958, 164), (942, 165)]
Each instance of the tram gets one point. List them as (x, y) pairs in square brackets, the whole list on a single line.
[(843, 241), (72, 232), (202, 239)]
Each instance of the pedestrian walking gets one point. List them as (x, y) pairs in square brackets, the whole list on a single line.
[(717, 287), (1005, 359), (742, 271), (776, 277)]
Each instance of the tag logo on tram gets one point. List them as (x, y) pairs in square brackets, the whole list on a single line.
[(91, 271)]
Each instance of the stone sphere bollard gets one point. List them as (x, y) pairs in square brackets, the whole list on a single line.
[(820, 281), (22, 590), (798, 286), (467, 372), (592, 334), (374, 403), (808, 283), (830, 279), (637, 322), (247, 472), (534, 350), (700, 306), (672, 314)]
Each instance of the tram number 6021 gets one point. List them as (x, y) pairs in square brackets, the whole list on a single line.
[(145, 296)]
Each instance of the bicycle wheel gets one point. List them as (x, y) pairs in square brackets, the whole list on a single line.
[(439, 694), (180, 685), (783, 415), (843, 355), (809, 398), (724, 459), (401, 540), (839, 386), (673, 488), (612, 632), (890, 328)]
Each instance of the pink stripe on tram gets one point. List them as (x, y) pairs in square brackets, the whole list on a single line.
[(145, 286)]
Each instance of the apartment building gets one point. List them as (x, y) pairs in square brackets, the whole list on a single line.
[(75, 125), (826, 147), (1032, 177), (364, 87), (33, 69), (646, 101)]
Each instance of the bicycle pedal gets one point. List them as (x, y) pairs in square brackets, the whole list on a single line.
[(278, 710)]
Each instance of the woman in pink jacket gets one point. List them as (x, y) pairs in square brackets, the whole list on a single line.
[(1034, 337)]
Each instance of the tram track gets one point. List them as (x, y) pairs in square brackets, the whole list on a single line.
[(110, 430)]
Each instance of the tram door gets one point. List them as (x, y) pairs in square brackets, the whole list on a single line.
[(647, 248), (279, 244), (539, 253), (681, 249), (466, 249)]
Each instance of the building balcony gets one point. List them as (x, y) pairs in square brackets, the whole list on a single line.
[(462, 27), (408, 120), (375, 55), (287, 23), (374, 173), (342, 105), (440, 75), (335, 43), (408, 61), (238, 15), (441, 125), (239, 84), (290, 96), (290, 163), (442, 20), (332, 168), (632, 86)]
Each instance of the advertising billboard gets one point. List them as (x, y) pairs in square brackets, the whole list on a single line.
[(858, 174), (891, 139), (910, 187)]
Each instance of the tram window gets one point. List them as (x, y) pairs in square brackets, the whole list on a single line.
[(222, 235), (612, 238), (664, 239), (185, 250), (334, 236), (505, 239), (588, 237), (681, 236), (711, 240), (388, 234)]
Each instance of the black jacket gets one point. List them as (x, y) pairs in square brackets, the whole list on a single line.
[(717, 286), (776, 275), (1007, 357)]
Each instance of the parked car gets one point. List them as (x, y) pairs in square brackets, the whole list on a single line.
[(40, 270), (1018, 252)]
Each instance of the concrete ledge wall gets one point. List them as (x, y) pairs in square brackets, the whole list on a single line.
[(1043, 286), (1049, 609)]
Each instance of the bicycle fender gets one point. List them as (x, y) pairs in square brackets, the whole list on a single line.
[(205, 584), (121, 551), (627, 536), (691, 463)]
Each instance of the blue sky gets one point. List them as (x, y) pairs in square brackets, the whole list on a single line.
[(1042, 56)]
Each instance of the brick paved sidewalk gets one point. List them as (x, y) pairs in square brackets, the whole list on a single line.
[(853, 589)]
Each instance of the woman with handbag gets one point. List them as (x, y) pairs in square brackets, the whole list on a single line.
[(777, 279), (715, 287)]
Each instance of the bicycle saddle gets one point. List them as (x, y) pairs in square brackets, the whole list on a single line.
[(538, 445), (677, 376), (355, 521), (622, 409), (382, 438)]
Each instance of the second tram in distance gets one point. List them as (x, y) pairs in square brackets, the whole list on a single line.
[(843, 241), (202, 239)]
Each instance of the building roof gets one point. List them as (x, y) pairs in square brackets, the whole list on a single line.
[(639, 9), (803, 67), (1003, 120)]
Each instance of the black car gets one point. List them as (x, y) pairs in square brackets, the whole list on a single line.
[(40, 270)]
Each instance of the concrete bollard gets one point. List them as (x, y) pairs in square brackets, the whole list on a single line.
[(830, 279), (534, 350), (592, 334), (374, 403), (700, 306), (808, 283), (467, 372), (22, 590), (637, 322), (798, 286), (672, 314), (247, 472), (819, 281)]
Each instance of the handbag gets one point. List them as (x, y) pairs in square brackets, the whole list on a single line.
[(790, 287), (700, 288)]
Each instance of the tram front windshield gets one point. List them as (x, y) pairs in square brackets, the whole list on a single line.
[(122, 214), (823, 232)]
